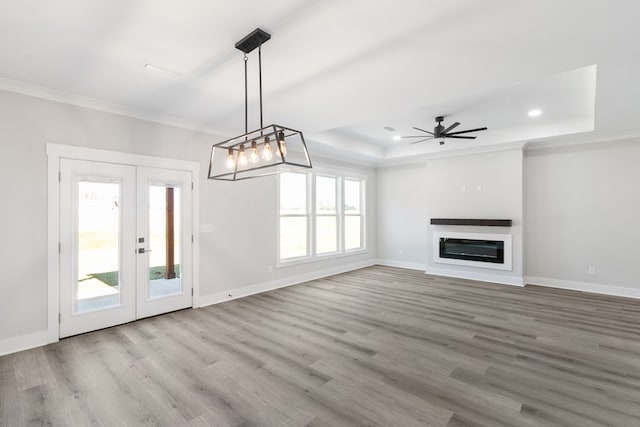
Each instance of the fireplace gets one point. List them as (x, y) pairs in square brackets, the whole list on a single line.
[(473, 249)]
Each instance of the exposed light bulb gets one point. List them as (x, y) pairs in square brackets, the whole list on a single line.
[(267, 155), (253, 155), (534, 113), (231, 162), (242, 158), (396, 137), (282, 147)]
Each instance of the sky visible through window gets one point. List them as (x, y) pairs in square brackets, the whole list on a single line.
[(293, 193)]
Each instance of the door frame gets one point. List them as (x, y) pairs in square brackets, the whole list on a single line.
[(55, 152)]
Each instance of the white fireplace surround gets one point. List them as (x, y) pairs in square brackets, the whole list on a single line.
[(506, 238)]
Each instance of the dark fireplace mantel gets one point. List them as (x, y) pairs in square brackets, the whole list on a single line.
[(472, 221)]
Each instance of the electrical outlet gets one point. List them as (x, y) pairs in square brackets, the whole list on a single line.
[(463, 189), (401, 252), (591, 271), (270, 269)]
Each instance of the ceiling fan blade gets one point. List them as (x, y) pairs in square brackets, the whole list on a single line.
[(412, 136), (461, 137), (422, 140), (456, 124), (422, 130), (467, 131)]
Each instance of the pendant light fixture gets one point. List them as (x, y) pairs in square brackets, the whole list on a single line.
[(251, 154)]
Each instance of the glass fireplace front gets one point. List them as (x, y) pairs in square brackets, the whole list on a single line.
[(472, 250)]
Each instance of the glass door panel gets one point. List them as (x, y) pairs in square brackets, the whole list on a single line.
[(97, 265), (98, 228), (164, 240)]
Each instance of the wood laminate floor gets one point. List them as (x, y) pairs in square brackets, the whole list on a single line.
[(377, 346)]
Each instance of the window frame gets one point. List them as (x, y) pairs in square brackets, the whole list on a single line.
[(307, 215), (311, 254), (360, 214), (336, 215)]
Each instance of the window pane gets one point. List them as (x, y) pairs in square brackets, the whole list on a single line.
[(293, 237), (326, 234), (325, 195), (352, 238), (164, 240), (351, 196), (293, 193), (98, 231)]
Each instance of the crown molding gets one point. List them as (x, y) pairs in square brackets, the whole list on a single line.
[(55, 95), (330, 151), (580, 139)]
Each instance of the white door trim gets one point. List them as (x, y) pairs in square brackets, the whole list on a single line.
[(55, 152)]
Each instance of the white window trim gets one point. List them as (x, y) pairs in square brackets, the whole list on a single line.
[(337, 215), (340, 175), (307, 257), (361, 214)]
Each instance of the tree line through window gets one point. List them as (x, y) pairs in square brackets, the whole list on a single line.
[(320, 215)]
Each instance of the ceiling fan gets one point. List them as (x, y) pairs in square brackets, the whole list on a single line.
[(439, 132)]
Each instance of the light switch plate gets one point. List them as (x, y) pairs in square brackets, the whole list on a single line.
[(206, 228)]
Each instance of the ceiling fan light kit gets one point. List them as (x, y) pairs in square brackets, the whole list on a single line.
[(441, 133), (265, 151)]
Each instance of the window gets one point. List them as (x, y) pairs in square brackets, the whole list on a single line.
[(321, 215), (352, 214), (326, 215), (294, 216)]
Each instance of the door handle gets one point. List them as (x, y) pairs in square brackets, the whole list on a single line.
[(143, 250)]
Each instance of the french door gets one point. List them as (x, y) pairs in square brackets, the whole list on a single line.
[(125, 243)]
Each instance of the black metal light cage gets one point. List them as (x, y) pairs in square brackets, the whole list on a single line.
[(266, 151), (288, 153)]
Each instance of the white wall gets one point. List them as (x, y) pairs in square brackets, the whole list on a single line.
[(403, 215), (573, 207), (408, 196), (492, 184), (242, 249), (582, 206), (243, 214)]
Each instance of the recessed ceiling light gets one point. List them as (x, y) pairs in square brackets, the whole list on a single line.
[(534, 113), (396, 137), (165, 70)]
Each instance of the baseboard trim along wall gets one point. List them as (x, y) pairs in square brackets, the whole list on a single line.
[(596, 288), (23, 342), (482, 277), (402, 264), (258, 288)]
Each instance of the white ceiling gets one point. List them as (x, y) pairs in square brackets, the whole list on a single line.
[(341, 70)]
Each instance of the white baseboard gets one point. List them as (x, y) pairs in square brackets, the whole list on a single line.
[(595, 288), (23, 342), (482, 277), (402, 264), (232, 294)]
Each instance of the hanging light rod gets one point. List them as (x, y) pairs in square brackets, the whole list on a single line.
[(250, 155)]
